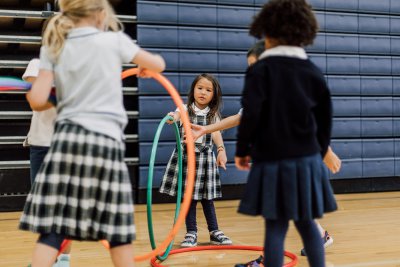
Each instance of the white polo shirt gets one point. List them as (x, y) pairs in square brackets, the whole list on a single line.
[(42, 122), (88, 79)]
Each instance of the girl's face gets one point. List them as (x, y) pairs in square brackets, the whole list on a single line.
[(203, 93)]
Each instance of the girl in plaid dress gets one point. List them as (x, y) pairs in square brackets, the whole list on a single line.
[(82, 190), (204, 101)]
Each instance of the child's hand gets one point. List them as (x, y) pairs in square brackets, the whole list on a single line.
[(142, 73), (197, 131), (332, 161), (243, 163), (222, 159), (172, 114)]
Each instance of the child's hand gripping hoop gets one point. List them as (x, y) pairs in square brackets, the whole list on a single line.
[(191, 165)]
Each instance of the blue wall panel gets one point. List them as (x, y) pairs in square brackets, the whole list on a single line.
[(198, 38), (347, 5), (342, 43), (341, 22), (344, 85), (197, 14), (347, 148), (376, 85), (377, 127), (374, 24), (382, 167), (382, 6), (351, 168), (377, 107)]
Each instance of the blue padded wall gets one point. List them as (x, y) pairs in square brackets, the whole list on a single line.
[(357, 48)]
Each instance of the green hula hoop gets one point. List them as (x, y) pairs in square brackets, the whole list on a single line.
[(150, 184)]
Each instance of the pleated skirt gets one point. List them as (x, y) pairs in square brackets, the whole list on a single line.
[(290, 189), (82, 190)]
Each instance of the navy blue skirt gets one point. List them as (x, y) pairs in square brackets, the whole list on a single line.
[(291, 189)]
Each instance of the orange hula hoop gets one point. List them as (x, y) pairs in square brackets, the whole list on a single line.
[(191, 165)]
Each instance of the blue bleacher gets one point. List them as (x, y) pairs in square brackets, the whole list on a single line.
[(357, 48), (381, 6)]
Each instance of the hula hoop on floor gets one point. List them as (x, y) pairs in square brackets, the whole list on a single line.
[(150, 184), (292, 263), (191, 165)]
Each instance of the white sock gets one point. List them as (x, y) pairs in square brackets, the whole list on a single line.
[(64, 256)]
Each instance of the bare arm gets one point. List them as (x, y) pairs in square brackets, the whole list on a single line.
[(32, 79), (226, 123), (39, 94), (219, 142), (149, 61)]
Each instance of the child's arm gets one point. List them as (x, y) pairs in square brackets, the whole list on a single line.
[(219, 142), (32, 79), (39, 94), (149, 61), (226, 123), (332, 161)]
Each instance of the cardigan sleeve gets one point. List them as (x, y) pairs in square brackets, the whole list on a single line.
[(253, 98), (323, 116)]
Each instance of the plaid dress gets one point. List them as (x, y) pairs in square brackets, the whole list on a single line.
[(82, 190), (207, 181)]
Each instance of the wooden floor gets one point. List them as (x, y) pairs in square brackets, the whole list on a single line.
[(366, 232)]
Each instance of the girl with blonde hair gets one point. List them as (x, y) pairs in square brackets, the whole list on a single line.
[(83, 191)]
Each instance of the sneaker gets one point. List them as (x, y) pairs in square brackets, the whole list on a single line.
[(190, 240), (217, 237), (259, 262), (327, 239), (62, 261)]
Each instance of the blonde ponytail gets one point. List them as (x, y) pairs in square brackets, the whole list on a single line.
[(56, 33), (112, 23), (71, 12)]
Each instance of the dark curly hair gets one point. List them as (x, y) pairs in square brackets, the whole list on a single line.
[(289, 22)]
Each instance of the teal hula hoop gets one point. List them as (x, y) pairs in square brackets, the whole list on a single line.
[(150, 184)]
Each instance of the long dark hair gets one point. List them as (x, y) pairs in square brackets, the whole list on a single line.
[(215, 103)]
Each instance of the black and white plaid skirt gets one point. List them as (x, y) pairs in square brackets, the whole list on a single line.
[(207, 184), (82, 190)]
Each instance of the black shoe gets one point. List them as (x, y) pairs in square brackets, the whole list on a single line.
[(259, 262)]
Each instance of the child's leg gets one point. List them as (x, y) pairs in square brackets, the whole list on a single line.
[(36, 157), (122, 255), (209, 213), (312, 242), (274, 242), (191, 222), (46, 250), (217, 237)]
